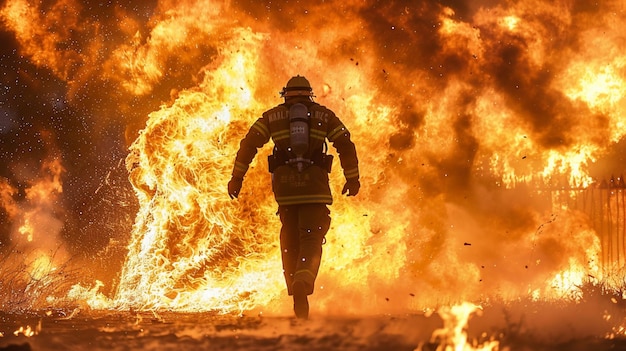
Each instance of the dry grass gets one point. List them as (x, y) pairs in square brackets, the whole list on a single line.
[(31, 283)]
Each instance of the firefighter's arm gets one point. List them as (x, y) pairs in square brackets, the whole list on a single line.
[(340, 137), (257, 136)]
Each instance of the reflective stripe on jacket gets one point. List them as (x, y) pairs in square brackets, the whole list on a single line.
[(310, 185)]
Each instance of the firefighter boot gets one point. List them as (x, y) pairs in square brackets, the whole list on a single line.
[(300, 300)]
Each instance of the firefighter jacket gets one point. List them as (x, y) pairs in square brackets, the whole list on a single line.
[(291, 185)]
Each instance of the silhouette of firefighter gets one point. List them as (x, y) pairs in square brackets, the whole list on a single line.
[(300, 165)]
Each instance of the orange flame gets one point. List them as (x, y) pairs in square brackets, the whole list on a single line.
[(28, 331), (453, 335), (191, 248), (37, 233), (453, 115)]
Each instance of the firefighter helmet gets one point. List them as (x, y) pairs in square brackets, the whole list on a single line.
[(297, 86)]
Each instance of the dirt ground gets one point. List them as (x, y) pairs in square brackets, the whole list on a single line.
[(107, 330)]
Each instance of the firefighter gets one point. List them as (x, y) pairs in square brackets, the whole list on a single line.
[(299, 129)]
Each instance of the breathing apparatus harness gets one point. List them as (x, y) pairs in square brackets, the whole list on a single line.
[(297, 154)]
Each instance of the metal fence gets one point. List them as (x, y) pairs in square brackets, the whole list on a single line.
[(605, 206)]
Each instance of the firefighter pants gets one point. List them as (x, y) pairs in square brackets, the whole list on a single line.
[(304, 227)]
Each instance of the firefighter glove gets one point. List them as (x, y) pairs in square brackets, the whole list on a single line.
[(352, 187), (234, 187)]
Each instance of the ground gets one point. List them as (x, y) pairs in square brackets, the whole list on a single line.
[(117, 330)]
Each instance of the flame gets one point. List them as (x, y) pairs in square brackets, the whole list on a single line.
[(27, 332), (465, 118), (88, 297), (41, 266), (181, 161), (7, 192), (177, 165), (37, 28), (36, 250), (453, 336)]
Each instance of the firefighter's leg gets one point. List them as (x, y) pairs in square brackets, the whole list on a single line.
[(289, 242), (314, 222)]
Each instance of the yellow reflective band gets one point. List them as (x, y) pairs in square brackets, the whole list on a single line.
[(304, 199), (304, 271), (261, 128), (241, 167), (351, 173), (280, 135), (335, 133), (318, 134)]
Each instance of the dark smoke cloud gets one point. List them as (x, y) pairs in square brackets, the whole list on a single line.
[(33, 103), (528, 88), (76, 95), (80, 112), (407, 40)]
